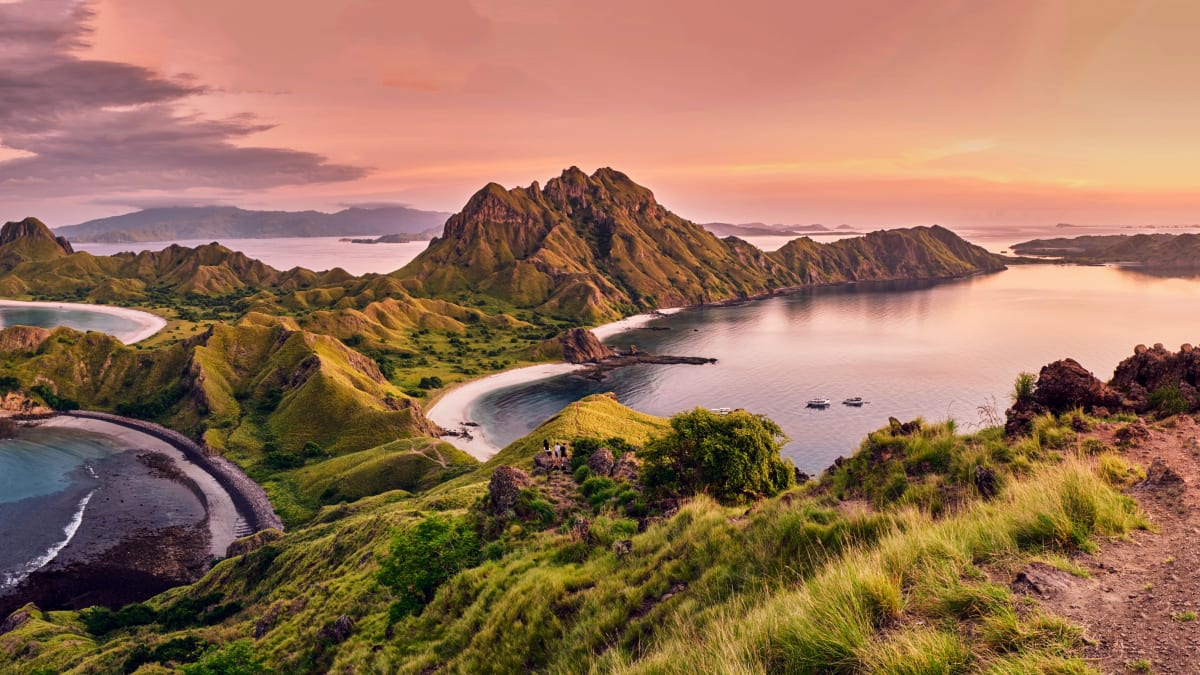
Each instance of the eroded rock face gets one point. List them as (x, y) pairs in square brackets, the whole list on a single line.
[(580, 345), (253, 542), (1161, 478), (601, 462), (507, 482), (22, 338)]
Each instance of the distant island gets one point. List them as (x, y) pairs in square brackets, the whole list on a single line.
[(398, 238), (1160, 251), (217, 222), (764, 230)]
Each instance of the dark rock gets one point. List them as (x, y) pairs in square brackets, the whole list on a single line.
[(601, 462), (506, 483), (1132, 433), (905, 428), (622, 548), (14, 621), (802, 477), (1065, 385), (1161, 478), (337, 630), (627, 468), (1042, 580), (986, 481), (1148, 370), (580, 345)]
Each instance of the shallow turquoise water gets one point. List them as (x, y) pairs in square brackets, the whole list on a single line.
[(40, 461)]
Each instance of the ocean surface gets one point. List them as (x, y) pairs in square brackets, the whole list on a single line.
[(314, 253), (932, 350), (79, 319)]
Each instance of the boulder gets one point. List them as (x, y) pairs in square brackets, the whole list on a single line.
[(622, 547), (1064, 385), (903, 429), (1161, 478), (1042, 580), (337, 630), (601, 462), (987, 482), (580, 345), (627, 468), (1150, 369), (15, 620), (507, 482), (1132, 433)]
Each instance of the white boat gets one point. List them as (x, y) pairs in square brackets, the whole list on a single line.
[(855, 401), (818, 403), (722, 411)]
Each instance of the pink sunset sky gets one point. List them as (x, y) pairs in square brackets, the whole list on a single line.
[(867, 112)]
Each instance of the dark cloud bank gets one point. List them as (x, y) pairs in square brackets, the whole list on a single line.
[(100, 127)]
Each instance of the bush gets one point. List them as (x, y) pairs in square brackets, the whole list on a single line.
[(1024, 387), (732, 457), (433, 382), (235, 658), (1168, 400), (425, 556)]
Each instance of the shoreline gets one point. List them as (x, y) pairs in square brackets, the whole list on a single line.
[(147, 324), (450, 410), (221, 514)]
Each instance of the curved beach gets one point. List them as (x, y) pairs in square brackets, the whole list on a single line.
[(452, 410), (145, 323)]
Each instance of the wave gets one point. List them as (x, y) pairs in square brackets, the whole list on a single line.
[(12, 579)]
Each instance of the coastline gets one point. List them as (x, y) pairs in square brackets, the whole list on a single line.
[(147, 324), (222, 516), (450, 411)]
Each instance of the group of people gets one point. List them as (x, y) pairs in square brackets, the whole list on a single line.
[(558, 451)]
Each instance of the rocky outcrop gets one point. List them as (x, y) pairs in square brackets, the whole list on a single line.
[(627, 468), (1161, 478), (506, 484), (545, 462), (22, 338), (253, 542), (338, 630), (32, 230), (1061, 386), (601, 462), (580, 345), (1156, 368)]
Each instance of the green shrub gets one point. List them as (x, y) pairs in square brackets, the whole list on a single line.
[(1168, 399), (235, 658), (735, 457), (1024, 387), (424, 556)]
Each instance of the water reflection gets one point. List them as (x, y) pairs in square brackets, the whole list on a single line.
[(924, 349)]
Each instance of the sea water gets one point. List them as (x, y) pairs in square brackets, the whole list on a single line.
[(77, 318), (931, 350)]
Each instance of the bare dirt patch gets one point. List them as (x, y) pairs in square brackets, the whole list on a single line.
[(1141, 606)]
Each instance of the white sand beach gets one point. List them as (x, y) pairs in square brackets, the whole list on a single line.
[(222, 514), (451, 411), (145, 323)]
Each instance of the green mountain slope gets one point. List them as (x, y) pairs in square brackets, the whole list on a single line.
[(1155, 251), (799, 583), (600, 246)]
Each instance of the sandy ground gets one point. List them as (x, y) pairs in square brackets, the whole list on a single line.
[(452, 410), (222, 514), (147, 324)]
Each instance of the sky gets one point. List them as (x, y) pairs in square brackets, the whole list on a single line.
[(874, 113)]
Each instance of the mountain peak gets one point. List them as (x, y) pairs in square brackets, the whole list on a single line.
[(34, 239)]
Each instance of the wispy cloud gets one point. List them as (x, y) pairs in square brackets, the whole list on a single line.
[(73, 126)]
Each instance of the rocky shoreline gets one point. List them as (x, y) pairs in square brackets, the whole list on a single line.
[(249, 497)]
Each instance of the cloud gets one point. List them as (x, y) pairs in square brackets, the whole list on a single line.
[(82, 125)]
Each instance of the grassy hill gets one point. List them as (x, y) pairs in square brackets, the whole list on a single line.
[(851, 573)]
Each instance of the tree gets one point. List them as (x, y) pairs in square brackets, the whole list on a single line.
[(734, 458), (425, 556)]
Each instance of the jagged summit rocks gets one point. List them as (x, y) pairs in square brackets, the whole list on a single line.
[(596, 246)]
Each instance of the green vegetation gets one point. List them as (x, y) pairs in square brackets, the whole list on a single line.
[(1024, 386), (734, 458), (800, 582), (423, 557), (1168, 400)]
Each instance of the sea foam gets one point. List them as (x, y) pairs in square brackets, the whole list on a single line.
[(8, 580)]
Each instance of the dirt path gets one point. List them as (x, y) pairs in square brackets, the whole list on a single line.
[(1135, 608)]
